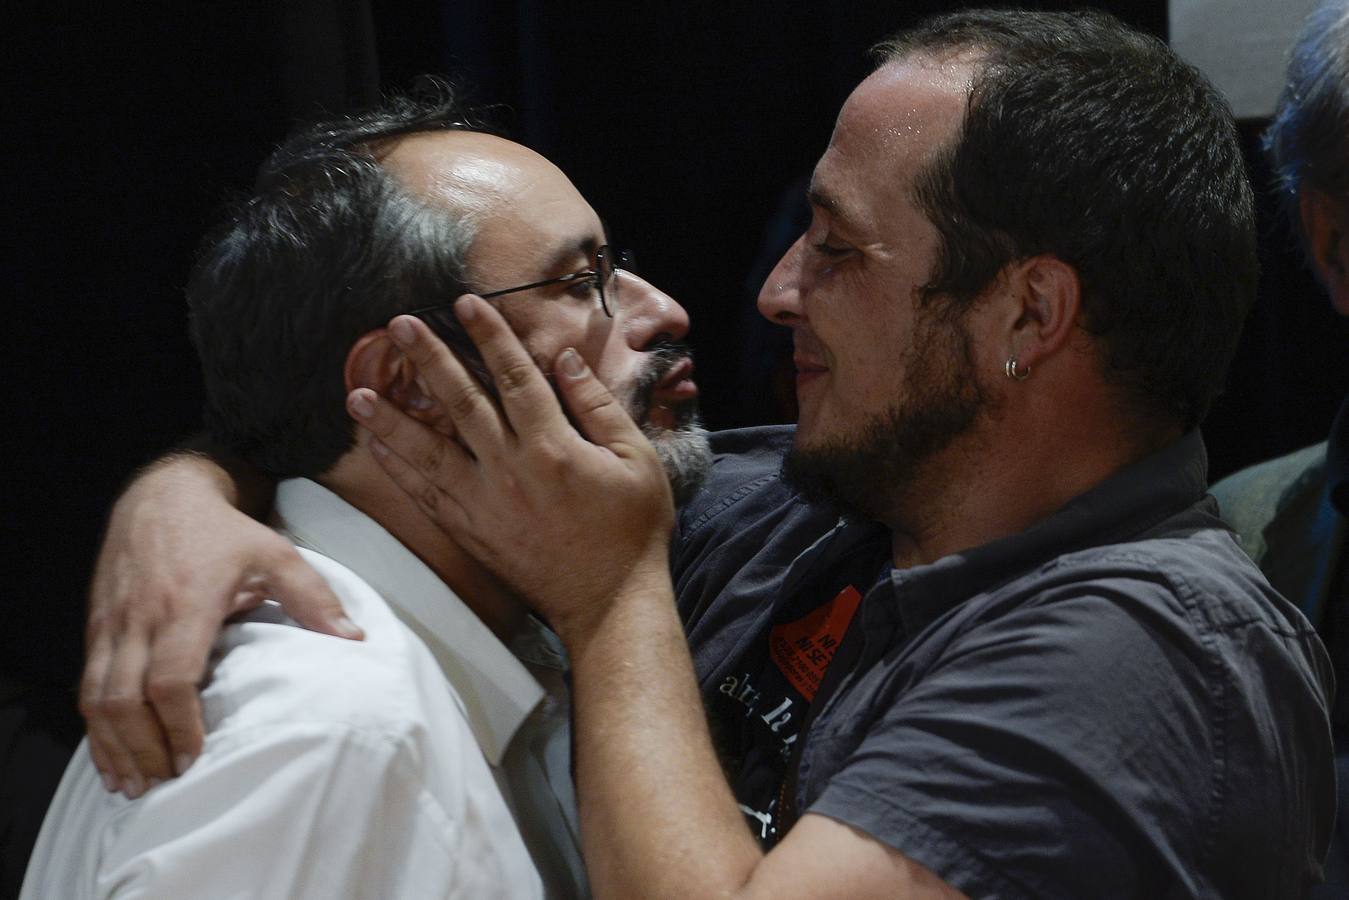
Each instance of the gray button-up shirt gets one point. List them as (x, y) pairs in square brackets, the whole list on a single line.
[(1113, 703)]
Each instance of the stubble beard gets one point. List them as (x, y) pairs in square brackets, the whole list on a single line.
[(881, 467)]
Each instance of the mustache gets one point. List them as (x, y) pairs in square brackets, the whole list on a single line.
[(663, 354)]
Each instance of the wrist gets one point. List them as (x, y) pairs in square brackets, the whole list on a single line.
[(644, 591), (192, 471)]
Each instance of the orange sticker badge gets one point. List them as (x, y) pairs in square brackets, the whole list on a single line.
[(804, 648)]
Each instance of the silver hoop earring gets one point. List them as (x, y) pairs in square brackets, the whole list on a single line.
[(1013, 372)]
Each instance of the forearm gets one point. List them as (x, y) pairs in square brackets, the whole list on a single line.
[(658, 819)]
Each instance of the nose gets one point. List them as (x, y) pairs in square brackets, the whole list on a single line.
[(780, 296), (647, 312)]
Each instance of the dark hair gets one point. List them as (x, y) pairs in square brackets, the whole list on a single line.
[(328, 247), (1094, 143), (1308, 141)]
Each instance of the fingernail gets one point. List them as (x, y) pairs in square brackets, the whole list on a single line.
[(181, 763), (361, 405), (346, 628), (572, 364), (110, 783), (402, 332), (377, 447), (133, 787), (465, 310)]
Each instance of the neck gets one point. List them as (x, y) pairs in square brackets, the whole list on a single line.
[(359, 480), (1004, 477)]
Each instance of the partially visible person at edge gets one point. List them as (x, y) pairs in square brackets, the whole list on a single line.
[(1029, 660), (428, 760), (1291, 512)]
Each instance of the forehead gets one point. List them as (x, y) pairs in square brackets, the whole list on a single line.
[(516, 198), (530, 221), (891, 125)]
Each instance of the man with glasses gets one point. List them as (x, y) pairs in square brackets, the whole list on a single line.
[(1028, 661), (428, 759)]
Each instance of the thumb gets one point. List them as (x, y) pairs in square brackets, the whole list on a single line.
[(306, 597), (601, 418)]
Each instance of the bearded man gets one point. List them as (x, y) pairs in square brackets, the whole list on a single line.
[(431, 758), (1029, 660)]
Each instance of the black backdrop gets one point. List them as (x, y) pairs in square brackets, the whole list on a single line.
[(688, 126)]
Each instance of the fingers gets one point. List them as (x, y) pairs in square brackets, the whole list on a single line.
[(475, 415), (176, 664), (527, 400), (178, 652), (120, 721), (109, 754), (601, 418), (526, 397), (417, 458), (302, 593)]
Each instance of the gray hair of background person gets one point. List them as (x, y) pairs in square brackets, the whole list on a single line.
[(328, 247), (1308, 141), (1097, 144)]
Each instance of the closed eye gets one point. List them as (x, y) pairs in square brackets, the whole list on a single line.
[(829, 250), (584, 285)]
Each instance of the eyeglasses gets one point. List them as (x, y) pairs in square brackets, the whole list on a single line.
[(603, 274)]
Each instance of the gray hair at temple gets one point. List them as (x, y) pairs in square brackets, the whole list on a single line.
[(1308, 141)]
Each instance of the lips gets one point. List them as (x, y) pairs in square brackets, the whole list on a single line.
[(676, 385), (807, 369)]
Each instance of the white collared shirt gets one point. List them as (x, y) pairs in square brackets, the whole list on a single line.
[(382, 768)]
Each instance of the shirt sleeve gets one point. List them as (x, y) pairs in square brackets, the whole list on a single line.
[(1060, 750), (296, 812)]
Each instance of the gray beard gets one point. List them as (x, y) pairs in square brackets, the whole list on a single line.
[(683, 450), (685, 454)]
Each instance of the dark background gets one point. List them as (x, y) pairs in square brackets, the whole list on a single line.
[(688, 126)]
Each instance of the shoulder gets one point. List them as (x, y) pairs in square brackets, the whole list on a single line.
[(1155, 697), (745, 525), (357, 753), (268, 674), (1251, 498), (1176, 633), (744, 503), (745, 463), (745, 494), (1193, 590)]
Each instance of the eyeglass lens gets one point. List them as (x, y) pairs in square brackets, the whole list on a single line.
[(607, 264)]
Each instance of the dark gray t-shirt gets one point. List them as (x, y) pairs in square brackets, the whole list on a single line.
[(1112, 703)]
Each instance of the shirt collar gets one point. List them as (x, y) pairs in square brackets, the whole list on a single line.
[(498, 693), (1126, 506), (1337, 460)]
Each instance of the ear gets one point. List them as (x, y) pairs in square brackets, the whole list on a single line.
[(1327, 230), (375, 362), (1045, 308)]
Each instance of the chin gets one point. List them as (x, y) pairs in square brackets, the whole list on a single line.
[(811, 433), (685, 455)]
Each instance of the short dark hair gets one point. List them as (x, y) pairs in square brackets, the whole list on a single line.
[(1308, 140), (1095, 143), (328, 247)]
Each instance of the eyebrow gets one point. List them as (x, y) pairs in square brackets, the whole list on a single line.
[(567, 253), (820, 197)]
